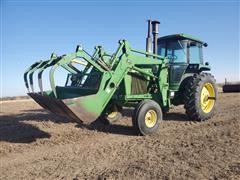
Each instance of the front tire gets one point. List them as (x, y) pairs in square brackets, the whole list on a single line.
[(200, 97), (147, 117)]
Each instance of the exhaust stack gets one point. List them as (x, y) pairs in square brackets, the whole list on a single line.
[(155, 31), (149, 37)]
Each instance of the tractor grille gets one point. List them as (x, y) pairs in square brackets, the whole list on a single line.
[(139, 84)]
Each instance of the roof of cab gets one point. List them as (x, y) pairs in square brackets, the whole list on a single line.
[(181, 36)]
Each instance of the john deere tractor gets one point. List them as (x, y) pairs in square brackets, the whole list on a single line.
[(170, 72)]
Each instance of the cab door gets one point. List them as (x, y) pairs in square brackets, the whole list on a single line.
[(176, 52)]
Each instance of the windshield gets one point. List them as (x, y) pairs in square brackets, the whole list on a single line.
[(175, 51)]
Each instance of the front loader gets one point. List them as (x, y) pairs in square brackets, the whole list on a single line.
[(150, 82)]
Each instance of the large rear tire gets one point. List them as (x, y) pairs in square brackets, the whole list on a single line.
[(147, 117), (200, 97)]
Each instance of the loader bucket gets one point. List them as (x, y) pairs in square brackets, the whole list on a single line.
[(80, 104), (71, 108)]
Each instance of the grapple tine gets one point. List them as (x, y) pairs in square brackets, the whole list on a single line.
[(31, 72), (53, 60), (31, 81), (40, 83), (25, 79), (26, 73)]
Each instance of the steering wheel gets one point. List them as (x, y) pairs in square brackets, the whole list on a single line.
[(171, 57)]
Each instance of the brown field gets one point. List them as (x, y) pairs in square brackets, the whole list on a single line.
[(37, 144)]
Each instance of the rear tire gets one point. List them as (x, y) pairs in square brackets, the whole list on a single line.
[(200, 97), (147, 117)]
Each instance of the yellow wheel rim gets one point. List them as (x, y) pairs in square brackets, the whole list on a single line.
[(207, 98), (112, 114), (150, 118)]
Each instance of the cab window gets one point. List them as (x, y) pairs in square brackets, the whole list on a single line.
[(195, 53), (161, 49), (175, 51)]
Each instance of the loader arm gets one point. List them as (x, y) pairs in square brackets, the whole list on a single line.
[(88, 108)]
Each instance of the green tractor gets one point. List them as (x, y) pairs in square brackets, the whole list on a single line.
[(170, 72)]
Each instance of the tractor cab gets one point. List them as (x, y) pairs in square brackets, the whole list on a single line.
[(185, 56)]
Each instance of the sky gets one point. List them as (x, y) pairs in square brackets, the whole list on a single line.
[(32, 30)]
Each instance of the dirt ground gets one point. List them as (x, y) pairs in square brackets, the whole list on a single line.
[(37, 144)]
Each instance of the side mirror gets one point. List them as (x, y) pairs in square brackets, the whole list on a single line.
[(205, 44), (206, 63)]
